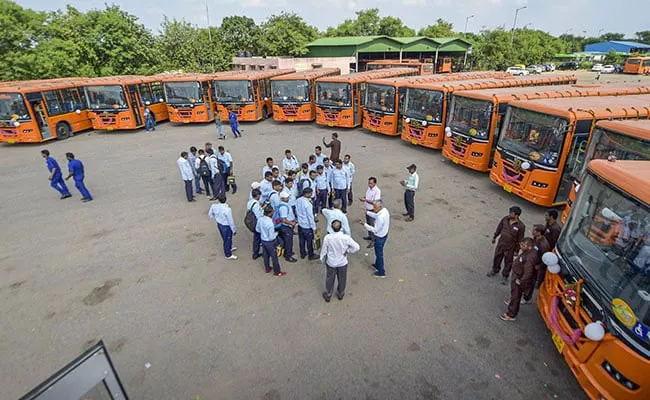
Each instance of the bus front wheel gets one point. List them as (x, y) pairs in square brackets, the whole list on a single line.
[(63, 130)]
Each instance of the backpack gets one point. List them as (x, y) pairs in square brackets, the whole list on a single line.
[(204, 168), (277, 220), (221, 165), (250, 220), (301, 188)]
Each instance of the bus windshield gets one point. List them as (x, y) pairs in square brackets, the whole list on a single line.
[(105, 97), (12, 104), (380, 97), (233, 91), (606, 143), (606, 241), (470, 117), (533, 136), (292, 91), (188, 92), (333, 94), (424, 104)]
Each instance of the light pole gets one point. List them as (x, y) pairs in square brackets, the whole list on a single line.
[(512, 38), (465, 35)]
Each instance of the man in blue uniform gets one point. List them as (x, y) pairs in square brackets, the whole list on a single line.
[(76, 170), (234, 125), (56, 178)]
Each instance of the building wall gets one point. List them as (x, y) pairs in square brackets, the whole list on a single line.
[(299, 64)]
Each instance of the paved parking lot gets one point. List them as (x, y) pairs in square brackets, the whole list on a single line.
[(142, 269)]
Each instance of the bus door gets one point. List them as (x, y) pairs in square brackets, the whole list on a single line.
[(574, 160), (40, 114), (258, 109), (356, 96), (135, 104), (207, 98), (399, 110)]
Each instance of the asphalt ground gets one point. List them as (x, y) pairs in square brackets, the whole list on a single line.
[(144, 270)]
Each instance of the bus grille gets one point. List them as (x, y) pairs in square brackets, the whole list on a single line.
[(185, 114), (331, 115), (374, 120), (459, 144), (290, 110), (9, 132), (512, 172), (416, 132), (108, 119)]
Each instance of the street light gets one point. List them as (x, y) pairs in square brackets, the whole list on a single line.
[(466, 21), (512, 38), (465, 35)]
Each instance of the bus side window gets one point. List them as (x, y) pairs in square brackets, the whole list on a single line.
[(145, 93), (52, 102), (156, 88)]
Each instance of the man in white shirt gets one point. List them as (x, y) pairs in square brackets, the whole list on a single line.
[(226, 158), (187, 175), (334, 253), (410, 186), (222, 215), (256, 208), (372, 194), (289, 163), (217, 181), (274, 196), (351, 169), (318, 153), (288, 219), (340, 184), (254, 185), (306, 225), (290, 187), (266, 186), (335, 214), (380, 231), (268, 167)]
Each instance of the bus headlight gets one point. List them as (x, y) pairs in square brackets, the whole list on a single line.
[(424, 123), (407, 120), (77, 111), (525, 165), (16, 124), (595, 331)]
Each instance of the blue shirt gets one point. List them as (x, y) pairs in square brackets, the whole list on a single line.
[(319, 159), (305, 211), (233, 118), (225, 157), (266, 187), (52, 164), (192, 159), (266, 229), (322, 182), (76, 168), (339, 179), (274, 199), (286, 213)]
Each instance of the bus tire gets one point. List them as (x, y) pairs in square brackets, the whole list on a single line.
[(63, 130), (265, 113)]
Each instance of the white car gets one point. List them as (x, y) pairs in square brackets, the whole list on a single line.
[(516, 71), (597, 67), (608, 69), (535, 69)]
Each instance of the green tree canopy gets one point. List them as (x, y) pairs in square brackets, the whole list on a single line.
[(286, 34), (240, 33), (441, 28)]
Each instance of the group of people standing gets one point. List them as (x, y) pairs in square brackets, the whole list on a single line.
[(214, 169), (75, 170)]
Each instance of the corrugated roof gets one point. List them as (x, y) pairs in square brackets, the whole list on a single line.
[(631, 44), (409, 39), (343, 40)]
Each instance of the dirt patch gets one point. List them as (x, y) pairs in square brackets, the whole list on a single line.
[(101, 293), (100, 234), (18, 284), (191, 237), (272, 394), (118, 345), (414, 347), (482, 342), (49, 315)]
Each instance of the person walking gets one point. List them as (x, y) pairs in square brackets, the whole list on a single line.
[(334, 254), (149, 121), (289, 163), (217, 179), (350, 169), (76, 170), (410, 185), (335, 214), (56, 177), (306, 225), (373, 193), (288, 222), (226, 159), (218, 122), (203, 170), (222, 215), (255, 207), (523, 271), (380, 232), (187, 175), (234, 125), (510, 232), (340, 183), (553, 228), (192, 159), (268, 236), (335, 145)]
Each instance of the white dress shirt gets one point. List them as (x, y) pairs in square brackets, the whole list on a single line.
[(255, 206), (293, 193), (266, 187), (187, 174), (340, 179), (213, 161), (336, 247), (290, 164), (350, 169), (305, 213), (222, 215), (266, 169), (226, 158), (266, 229), (333, 215), (372, 195), (412, 182), (382, 222)]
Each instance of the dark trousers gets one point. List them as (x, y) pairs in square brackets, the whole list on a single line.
[(207, 182), (409, 201), (370, 221), (268, 252), (541, 274), (226, 235), (235, 130), (257, 242), (59, 185), (505, 254), (529, 288), (225, 182), (188, 190), (79, 184), (197, 183), (287, 237), (217, 185), (379, 254), (306, 242), (341, 194), (350, 196), (339, 273), (149, 124), (321, 201), (516, 291), (330, 199)]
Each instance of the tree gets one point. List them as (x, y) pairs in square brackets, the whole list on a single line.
[(240, 33), (21, 33), (391, 26), (441, 28), (286, 34), (367, 23), (643, 36), (606, 37)]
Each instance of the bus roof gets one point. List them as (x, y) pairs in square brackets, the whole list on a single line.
[(120, 80), (604, 107), (404, 80), (366, 75), (504, 95), (250, 75), (184, 77), (637, 128), (40, 85), (632, 176), (307, 74), (494, 82)]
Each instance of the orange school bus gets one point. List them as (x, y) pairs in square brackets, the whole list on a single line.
[(425, 106), (248, 94), (594, 299), (619, 140), (637, 65), (190, 97), (118, 102), (339, 98), (36, 111), (381, 103), (293, 95), (475, 116), (541, 141)]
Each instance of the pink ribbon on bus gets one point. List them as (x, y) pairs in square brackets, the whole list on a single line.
[(571, 340), (508, 178)]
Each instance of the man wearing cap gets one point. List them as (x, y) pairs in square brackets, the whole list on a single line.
[(286, 229), (335, 145), (410, 185), (306, 225), (254, 185)]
